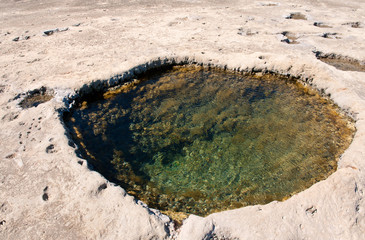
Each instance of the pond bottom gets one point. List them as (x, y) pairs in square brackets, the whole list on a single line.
[(199, 140)]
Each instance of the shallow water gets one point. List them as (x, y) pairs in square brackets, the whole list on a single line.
[(344, 64), (36, 97), (194, 140)]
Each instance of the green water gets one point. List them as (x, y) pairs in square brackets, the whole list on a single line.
[(194, 140)]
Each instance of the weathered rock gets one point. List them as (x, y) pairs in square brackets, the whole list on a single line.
[(52, 31)]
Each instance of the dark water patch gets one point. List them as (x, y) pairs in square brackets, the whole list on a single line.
[(344, 64), (198, 140), (341, 62), (36, 97)]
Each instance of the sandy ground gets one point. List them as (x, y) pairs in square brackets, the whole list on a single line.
[(47, 192)]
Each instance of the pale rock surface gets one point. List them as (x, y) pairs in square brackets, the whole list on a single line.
[(55, 195)]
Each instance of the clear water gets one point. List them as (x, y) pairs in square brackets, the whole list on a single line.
[(194, 140)]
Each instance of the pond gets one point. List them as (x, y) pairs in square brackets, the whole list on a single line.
[(199, 140)]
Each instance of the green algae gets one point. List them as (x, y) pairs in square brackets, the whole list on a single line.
[(198, 140)]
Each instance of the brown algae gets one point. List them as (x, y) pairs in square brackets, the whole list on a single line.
[(198, 140)]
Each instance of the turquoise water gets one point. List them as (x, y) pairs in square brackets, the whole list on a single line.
[(198, 140)]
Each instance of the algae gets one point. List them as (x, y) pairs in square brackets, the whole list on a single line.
[(199, 140)]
